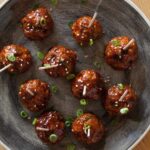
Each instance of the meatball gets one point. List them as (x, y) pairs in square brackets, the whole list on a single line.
[(120, 100), (37, 24), (121, 52), (34, 95), (59, 62), (50, 127), (83, 34), (88, 84), (16, 57), (88, 128)]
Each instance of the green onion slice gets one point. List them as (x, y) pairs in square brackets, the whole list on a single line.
[(71, 147), (83, 102), (53, 138), (70, 76), (54, 88), (11, 57), (40, 55), (116, 43), (79, 112), (34, 121), (91, 42), (124, 110), (121, 86), (54, 2), (23, 114)]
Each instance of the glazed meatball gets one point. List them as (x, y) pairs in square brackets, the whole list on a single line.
[(120, 56), (37, 24), (16, 57), (83, 33), (88, 84), (50, 127), (120, 100), (59, 62), (34, 95), (88, 128)]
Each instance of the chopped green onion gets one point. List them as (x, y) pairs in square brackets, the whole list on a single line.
[(35, 6), (116, 43), (83, 1), (124, 110), (11, 57), (83, 102), (121, 86), (97, 64), (23, 114), (79, 112), (71, 147), (43, 21), (70, 76), (40, 55), (53, 138), (68, 121), (91, 42), (70, 23), (34, 121), (54, 2), (54, 88)]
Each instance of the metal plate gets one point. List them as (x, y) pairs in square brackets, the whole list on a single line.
[(117, 18)]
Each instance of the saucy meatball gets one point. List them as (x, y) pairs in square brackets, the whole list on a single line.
[(50, 127), (120, 100), (88, 128), (16, 57), (121, 52), (59, 62), (88, 84), (37, 24), (83, 34), (34, 95)]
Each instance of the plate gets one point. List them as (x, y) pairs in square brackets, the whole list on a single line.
[(118, 18)]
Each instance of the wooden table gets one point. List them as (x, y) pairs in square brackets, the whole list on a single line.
[(145, 6)]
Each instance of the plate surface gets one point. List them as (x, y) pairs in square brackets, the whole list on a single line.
[(117, 18)]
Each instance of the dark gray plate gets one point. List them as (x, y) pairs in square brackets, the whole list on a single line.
[(118, 18)]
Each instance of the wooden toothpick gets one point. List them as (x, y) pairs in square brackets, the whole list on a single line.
[(123, 95), (130, 42), (48, 67), (5, 68), (95, 14)]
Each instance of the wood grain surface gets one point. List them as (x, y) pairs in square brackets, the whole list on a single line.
[(144, 5)]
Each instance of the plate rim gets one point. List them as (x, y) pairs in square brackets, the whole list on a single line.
[(147, 20)]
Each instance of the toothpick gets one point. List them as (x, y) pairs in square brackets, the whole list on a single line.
[(89, 132), (127, 46), (48, 67), (95, 14), (84, 90), (5, 68), (42, 129), (123, 95), (30, 92)]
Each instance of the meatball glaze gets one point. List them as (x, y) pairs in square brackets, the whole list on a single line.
[(118, 57), (63, 60), (120, 100), (37, 24), (17, 56), (50, 123), (88, 128), (88, 84), (34, 95), (82, 33)]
